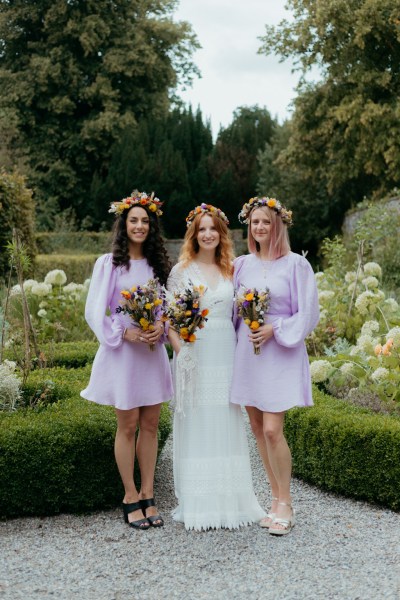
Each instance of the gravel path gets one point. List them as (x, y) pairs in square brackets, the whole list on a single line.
[(340, 549)]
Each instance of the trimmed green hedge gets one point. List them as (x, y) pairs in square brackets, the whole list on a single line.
[(61, 458), (77, 267), (346, 449), (73, 242)]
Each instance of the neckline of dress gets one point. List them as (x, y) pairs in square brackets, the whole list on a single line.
[(275, 260), (203, 277)]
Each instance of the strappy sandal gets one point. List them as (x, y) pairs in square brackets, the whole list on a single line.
[(287, 524), (144, 504), (266, 521), (140, 523)]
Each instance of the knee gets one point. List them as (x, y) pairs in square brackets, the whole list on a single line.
[(149, 425), (257, 428), (128, 429), (273, 435)]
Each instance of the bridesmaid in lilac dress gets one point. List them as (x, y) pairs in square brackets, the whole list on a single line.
[(278, 378), (125, 373)]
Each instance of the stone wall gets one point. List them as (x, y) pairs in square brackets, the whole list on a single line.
[(352, 217)]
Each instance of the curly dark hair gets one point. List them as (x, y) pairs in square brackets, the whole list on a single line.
[(153, 247)]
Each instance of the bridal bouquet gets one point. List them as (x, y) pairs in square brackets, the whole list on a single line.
[(143, 304), (184, 314), (252, 306)]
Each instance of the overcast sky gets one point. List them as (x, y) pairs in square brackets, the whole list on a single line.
[(233, 74)]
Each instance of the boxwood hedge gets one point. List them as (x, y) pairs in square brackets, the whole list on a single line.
[(60, 458), (346, 449)]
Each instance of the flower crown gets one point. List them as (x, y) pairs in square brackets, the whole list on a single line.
[(206, 208), (244, 215), (137, 199)]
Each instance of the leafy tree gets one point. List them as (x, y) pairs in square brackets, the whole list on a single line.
[(233, 164), (74, 75), (345, 134)]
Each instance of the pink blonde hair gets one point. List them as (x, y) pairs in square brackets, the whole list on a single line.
[(279, 243), (224, 254)]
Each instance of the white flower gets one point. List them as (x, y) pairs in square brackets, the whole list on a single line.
[(72, 288), (43, 304), (320, 370), (380, 295), (41, 289), (10, 391), (392, 305), (372, 268), (28, 283), (366, 344), (15, 290), (363, 302), (10, 364), (355, 350), (380, 374), (350, 276), (323, 314), (394, 334), (351, 287), (42, 313), (86, 283), (347, 368), (370, 282), (325, 295), (369, 327), (56, 277)]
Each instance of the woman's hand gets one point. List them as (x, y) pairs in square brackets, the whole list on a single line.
[(262, 335), (137, 335)]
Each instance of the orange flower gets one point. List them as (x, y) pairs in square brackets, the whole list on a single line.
[(389, 343), (271, 202), (143, 201), (386, 350), (249, 297), (204, 312), (192, 337), (254, 325), (126, 294), (378, 349)]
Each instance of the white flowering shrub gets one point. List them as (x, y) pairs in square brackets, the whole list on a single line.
[(56, 307), (357, 341), (10, 386)]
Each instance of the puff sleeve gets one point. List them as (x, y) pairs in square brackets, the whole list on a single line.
[(292, 331), (108, 330)]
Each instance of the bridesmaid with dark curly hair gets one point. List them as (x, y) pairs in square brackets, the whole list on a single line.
[(124, 373)]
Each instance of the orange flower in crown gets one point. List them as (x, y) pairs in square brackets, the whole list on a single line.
[(137, 199)]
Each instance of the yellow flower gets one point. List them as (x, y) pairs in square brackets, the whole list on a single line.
[(249, 296), (126, 294), (152, 207), (188, 313), (144, 324), (148, 305), (271, 202), (134, 288), (157, 302), (254, 325)]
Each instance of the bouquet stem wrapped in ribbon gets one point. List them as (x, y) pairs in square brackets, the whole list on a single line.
[(252, 306), (144, 305), (185, 315)]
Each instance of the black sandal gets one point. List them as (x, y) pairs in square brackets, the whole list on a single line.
[(140, 523), (152, 520)]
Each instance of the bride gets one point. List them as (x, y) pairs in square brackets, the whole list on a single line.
[(212, 475)]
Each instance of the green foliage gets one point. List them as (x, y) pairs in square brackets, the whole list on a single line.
[(73, 242), (17, 210), (378, 228), (75, 75), (168, 155), (344, 449), (62, 354), (345, 133), (77, 267), (233, 164), (62, 453)]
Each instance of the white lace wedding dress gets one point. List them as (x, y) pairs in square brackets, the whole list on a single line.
[(212, 474)]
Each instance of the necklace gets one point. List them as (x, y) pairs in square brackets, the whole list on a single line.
[(265, 267)]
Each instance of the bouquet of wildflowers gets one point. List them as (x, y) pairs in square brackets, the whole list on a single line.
[(184, 314), (252, 306), (143, 303)]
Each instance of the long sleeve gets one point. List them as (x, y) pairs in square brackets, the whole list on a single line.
[(292, 331), (108, 330), (237, 265), (175, 281)]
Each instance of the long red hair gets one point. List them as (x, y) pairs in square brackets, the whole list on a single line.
[(279, 243), (224, 253)]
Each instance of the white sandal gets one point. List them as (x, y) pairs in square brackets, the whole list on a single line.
[(267, 521), (287, 524)]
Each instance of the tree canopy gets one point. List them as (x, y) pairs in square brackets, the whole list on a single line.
[(345, 133), (74, 75)]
